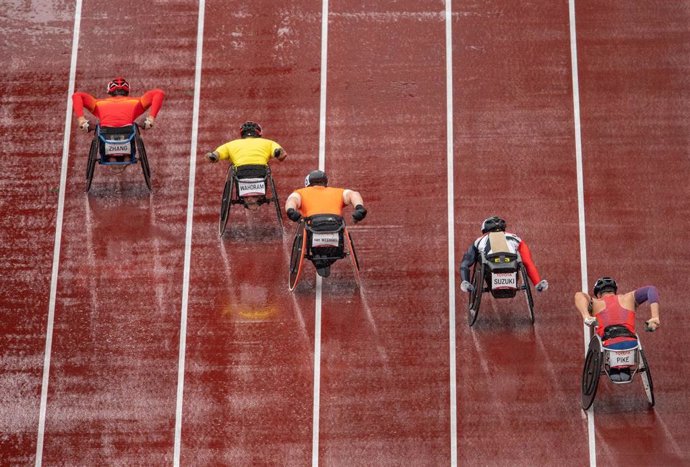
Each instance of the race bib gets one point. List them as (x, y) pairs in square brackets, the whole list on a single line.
[(507, 280), (252, 186), (324, 239), (621, 358), (124, 147)]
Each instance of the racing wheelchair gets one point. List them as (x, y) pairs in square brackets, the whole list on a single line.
[(247, 187), (624, 361), (501, 273), (117, 147), (322, 239)]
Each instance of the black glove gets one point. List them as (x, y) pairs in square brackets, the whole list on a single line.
[(294, 215), (360, 213)]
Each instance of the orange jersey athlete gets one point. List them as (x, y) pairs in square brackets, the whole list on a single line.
[(119, 109), (318, 198)]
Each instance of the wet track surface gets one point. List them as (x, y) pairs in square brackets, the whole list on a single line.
[(384, 367)]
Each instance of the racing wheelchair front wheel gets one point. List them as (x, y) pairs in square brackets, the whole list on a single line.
[(647, 379), (226, 201), (528, 292), (297, 256), (145, 169), (591, 373), (476, 294), (91, 163)]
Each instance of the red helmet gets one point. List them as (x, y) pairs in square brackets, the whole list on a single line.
[(250, 129), (118, 86)]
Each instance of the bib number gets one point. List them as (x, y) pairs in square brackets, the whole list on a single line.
[(252, 187), (324, 239), (118, 148), (507, 280)]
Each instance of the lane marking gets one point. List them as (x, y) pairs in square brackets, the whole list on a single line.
[(451, 236), (58, 237), (188, 233), (317, 304), (581, 207)]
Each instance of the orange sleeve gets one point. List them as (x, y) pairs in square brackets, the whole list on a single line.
[(526, 256), (81, 100), (154, 100)]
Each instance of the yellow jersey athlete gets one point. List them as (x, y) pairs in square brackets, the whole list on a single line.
[(250, 153)]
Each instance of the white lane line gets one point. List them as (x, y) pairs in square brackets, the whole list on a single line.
[(581, 207), (188, 234), (451, 235), (58, 237), (317, 305)]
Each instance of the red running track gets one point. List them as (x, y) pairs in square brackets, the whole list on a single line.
[(384, 367)]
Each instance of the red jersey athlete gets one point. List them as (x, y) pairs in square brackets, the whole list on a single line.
[(615, 315), (514, 243), (119, 109)]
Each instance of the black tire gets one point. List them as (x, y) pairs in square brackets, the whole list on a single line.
[(226, 201), (91, 163), (353, 252), (475, 300), (591, 372), (528, 292), (276, 202), (646, 376), (143, 159), (296, 257)]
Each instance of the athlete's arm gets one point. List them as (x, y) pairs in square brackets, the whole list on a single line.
[(294, 201), (81, 101), (280, 154), (468, 260), (583, 303), (152, 100), (352, 198), (526, 256), (649, 294)]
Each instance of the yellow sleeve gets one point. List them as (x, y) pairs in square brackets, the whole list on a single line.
[(223, 151)]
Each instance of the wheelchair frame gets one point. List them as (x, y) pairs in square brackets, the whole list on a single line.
[(478, 280), (231, 195), (597, 364), (302, 249), (137, 149)]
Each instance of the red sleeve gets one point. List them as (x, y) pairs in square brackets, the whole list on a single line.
[(526, 256), (81, 100), (154, 100)]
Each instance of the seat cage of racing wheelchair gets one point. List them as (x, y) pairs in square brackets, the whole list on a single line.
[(500, 274), (116, 145), (628, 357), (325, 237)]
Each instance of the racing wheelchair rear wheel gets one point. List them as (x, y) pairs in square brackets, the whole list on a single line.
[(279, 214), (353, 255), (528, 292), (647, 379), (591, 373), (226, 201), (146, 170), (476, 294), (91, 163), (297, 256)]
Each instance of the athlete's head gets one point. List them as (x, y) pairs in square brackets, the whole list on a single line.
[(604, 284), (118, 87), (493, 224), (250, 129), (316, 177)]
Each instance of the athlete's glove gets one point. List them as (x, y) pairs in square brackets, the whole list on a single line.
[(466, 286), (542, 285), (590, 320), (84, 125), (360, 213), (294, 215), (212, 156), (148, 122), (652, 324)]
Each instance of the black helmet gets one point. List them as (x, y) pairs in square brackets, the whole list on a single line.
[(493, 224), (250, 129), (604, 283), (316, 177)]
